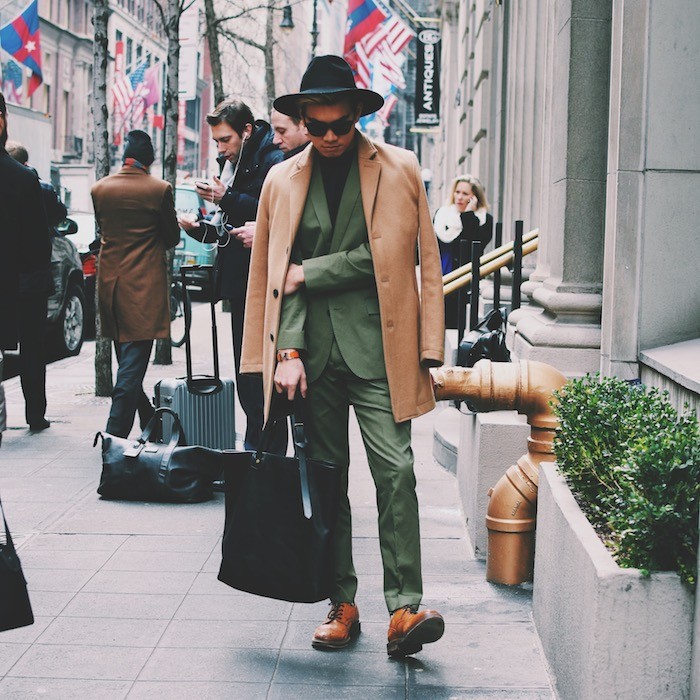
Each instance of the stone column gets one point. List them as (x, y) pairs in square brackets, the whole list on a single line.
[(567, 333), (652, 283)]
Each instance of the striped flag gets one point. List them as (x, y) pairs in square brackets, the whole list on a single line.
[(390, 102), (12, 82), (390, 65), (363, 74), (122, 93), (395, 32), (372, 41), (398, 34)]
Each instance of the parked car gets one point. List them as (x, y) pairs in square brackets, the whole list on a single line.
[(190, 251), (85, 240), (66, 306)]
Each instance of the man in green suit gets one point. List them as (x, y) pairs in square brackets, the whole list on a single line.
[(337, 232)]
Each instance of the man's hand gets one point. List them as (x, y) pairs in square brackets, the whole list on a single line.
[(214, 192), (188, 222), (289, 375), (294, 279), (218, 190), (245, 233)]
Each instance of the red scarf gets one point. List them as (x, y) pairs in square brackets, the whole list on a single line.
[(135, 164)]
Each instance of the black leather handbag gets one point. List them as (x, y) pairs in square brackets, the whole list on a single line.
[(280, 521), (15, 608), (141, 470), (487, 340)]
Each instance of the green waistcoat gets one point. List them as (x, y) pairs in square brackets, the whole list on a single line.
[(339, 300)]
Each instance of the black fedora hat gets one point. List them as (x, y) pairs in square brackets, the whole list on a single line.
[(329, 75)]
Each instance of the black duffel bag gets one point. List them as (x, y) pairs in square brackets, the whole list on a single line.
[(280, 520), (15, 608), (141, 470)]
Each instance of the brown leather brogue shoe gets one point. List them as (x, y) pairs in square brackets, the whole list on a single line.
[(341, 626), (410, 630)]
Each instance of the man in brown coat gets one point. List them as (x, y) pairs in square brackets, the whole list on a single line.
[(136, 217), (334, 310)]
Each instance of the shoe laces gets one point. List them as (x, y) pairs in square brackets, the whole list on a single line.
[(413, 609), (336, 611)]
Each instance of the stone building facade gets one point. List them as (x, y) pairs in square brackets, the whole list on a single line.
[(581, 119)]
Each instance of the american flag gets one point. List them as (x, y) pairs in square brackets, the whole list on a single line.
[(394, 32), (122, 93), (136, 75), (390, 65), (389, 104), (398, 34), (141, 92), (12, 82), (363, 75)]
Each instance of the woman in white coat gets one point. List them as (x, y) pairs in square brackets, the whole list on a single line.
[(464, 218)]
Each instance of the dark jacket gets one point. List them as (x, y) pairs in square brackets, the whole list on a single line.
[(24, 238), (240, 204)]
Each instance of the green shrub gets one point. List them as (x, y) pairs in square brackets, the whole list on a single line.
[(633, 465)]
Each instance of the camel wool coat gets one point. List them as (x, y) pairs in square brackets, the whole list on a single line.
[(136, 217), (398, 223)]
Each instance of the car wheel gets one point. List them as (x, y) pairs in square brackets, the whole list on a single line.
[(71, 327)]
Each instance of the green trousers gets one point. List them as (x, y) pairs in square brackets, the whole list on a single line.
[(388, 448)]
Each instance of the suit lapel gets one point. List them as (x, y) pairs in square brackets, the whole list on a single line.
[(317, 195), (348, 201), (370, 169), (298, 191)]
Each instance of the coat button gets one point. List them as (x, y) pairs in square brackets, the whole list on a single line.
[(275, 293), (272, 337)]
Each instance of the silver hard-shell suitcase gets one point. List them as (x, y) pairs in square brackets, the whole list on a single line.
[(205, 404)]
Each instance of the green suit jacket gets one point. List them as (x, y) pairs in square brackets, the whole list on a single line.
[(339, 298)]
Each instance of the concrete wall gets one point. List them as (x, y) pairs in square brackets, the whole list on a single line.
[(606, 631)]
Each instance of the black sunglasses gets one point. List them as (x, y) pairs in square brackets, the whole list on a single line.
[(339, 127)]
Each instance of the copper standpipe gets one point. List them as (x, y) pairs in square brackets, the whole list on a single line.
[(526, 387)]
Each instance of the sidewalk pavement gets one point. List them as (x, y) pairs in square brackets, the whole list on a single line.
[(127, 602)]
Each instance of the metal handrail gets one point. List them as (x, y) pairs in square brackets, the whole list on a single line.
[(488, 257), (489, 264)]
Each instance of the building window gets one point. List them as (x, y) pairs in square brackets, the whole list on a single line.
[(192, 114), (129, 54)]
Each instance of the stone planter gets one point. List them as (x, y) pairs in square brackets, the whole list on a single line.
[(606, 631)]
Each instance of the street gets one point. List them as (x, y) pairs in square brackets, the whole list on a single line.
[(127, 601)]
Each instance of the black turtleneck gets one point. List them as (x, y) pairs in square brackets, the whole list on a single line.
[(334, 172)]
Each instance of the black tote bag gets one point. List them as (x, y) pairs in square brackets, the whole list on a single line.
[(280, 521), (15, 608), (141, 470)]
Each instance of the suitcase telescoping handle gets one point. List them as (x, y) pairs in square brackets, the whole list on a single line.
[(200, 384)]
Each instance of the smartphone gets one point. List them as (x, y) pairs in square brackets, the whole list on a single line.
[(202, 184)]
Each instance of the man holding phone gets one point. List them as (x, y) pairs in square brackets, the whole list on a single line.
[(246, 154)]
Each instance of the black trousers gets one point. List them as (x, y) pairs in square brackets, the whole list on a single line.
[(250, 394), (32, 355), (128, 395)]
